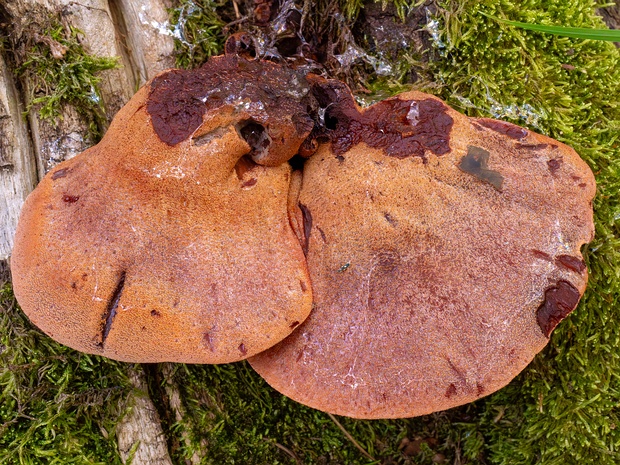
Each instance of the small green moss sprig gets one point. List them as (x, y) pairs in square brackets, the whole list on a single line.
[(197, 29), (59, 71)]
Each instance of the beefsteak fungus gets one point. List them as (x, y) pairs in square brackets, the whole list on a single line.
[(437, 251), (442, 251)]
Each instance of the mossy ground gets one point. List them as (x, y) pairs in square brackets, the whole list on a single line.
[(56, 405), (563, 409)]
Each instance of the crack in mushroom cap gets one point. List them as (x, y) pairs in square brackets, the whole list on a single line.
[(167, 241), (443, 250)]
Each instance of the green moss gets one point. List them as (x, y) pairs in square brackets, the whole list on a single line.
[(56, 405), (242, 420), (197, 30), (352, 8), (61, 72)]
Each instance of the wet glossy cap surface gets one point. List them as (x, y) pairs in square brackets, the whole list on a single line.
[(437, 273)]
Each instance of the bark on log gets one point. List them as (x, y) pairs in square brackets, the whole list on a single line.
[(142, 28), (139, 434), (17, 168), (99, 38)]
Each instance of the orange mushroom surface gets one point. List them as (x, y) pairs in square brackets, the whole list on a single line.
[(442, 249), (170, 239)]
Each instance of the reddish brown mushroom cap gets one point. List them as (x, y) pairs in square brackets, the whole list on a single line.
[(165, 242), (443, 250)]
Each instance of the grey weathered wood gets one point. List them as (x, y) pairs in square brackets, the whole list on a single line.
[(17, 166), (59, 140), (69, 134), (140, 429), (143, 26), (99, 38)]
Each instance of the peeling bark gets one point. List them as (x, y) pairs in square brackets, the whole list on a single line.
[(17, 167), (139, 434), (57, 141)]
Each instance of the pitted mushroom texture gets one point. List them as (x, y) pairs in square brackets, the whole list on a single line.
[(438, 251), (166, 241), (438, 270)]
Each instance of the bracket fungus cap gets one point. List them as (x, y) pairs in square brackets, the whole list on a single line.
[(443, 250), (437, 252), (170, 240)]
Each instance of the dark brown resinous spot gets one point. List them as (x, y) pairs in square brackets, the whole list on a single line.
[(208, 340), (541, 255), (511, 130), (402, 128), (307, 216), (479, 389), (70, 198), (570, 262), (476, 163), (554, 164), (273, 96), (533, 147), (242, 349), (390, 219), (451, 391), (560, 301)]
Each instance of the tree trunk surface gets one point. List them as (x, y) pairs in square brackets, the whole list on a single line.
[(134, 32)]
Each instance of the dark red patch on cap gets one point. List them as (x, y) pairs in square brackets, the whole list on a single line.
[(554, 164), (402, 128), (271, 95), (534, 147), (242, 349), (570, 262), (560, 301), (451, 391), (511, 130), (70, 198), (307, 218)]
